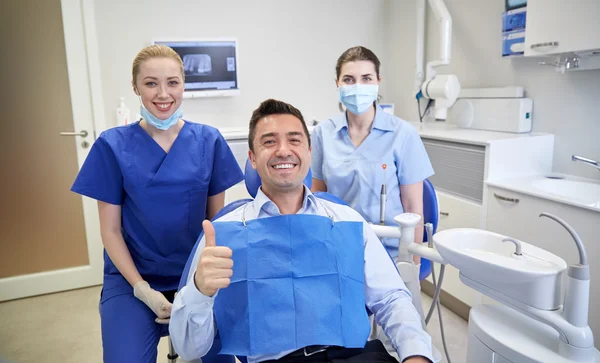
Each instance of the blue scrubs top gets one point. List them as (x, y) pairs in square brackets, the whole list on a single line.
[(356, 174), (163, 196)]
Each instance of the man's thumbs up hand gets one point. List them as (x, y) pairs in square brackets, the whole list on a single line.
[(215, 266)]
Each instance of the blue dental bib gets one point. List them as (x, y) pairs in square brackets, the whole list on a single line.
[(298, 280)]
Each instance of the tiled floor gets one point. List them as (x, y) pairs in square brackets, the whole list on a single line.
[(65, 327)]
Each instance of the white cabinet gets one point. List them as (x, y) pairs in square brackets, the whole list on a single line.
[(517, 215), (462, 160), (559, 26), (456, 212)]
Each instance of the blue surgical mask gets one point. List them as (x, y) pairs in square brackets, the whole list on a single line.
[(358, 97), (158, 123)]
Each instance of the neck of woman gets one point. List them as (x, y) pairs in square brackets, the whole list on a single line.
[(363, 122)]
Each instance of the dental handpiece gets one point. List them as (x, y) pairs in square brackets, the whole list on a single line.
[(382, 198)]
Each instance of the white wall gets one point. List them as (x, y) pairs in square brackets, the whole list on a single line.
[(567, 106), (287, 49)]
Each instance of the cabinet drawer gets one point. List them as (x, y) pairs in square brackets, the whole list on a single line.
[(517, 215), (457, 212), (510, 213)]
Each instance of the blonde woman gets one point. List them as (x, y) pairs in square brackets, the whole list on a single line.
[(155, 181)]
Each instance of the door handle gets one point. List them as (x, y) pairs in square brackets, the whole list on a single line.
[(511, 200), (83, 133), (445, 214)]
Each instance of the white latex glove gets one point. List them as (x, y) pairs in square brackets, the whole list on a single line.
[(155, 300)]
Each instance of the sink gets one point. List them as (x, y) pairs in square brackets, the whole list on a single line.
[(583, 191), (487, 263)]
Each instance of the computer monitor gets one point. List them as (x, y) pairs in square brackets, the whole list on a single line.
[(210, 66)]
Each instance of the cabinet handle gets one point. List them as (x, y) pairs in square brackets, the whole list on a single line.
[(512, 200), (445, 214), (546, 44)]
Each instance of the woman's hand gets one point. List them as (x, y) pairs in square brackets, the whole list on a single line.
[(155, 300)]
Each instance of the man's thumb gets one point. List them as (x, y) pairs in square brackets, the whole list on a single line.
[(209, 234)]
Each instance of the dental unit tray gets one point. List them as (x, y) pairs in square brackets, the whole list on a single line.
[(536, 323), (491, 266)]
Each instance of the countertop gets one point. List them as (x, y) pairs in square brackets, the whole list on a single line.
[(448, 132), (568, 189)]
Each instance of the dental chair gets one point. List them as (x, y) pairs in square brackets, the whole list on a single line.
[(253, 182)]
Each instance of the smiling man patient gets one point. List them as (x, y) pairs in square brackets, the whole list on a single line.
[(289, 276)]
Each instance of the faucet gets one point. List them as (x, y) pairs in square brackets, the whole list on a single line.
[(591, 162)]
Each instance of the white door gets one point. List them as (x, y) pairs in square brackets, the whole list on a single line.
[(49, 236)]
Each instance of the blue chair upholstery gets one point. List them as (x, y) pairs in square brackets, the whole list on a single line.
[(430, 215)]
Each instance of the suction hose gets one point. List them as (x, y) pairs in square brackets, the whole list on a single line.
[(437, 286)]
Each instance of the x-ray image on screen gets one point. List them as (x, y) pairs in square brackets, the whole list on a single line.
[(197, 65), (210, 66)]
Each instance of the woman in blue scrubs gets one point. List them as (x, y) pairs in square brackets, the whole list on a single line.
[(363, 148), (155, 180)]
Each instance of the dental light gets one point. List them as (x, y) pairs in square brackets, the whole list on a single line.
[(443, 89)]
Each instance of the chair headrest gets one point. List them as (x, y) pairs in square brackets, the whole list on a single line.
[(253, 181)]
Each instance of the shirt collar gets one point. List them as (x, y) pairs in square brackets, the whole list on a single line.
[(262, 203), (383, 121)]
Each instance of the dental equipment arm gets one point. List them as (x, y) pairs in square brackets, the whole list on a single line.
[(444, 89), (408, 222), (577, 294), (571, 320)]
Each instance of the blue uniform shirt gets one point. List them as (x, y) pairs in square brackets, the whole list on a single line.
[(163, 196), (356, 174)]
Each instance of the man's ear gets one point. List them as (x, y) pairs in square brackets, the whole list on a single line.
[(252, 158)]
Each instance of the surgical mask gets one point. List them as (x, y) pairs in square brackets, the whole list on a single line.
[(158, 123), (358, 97)]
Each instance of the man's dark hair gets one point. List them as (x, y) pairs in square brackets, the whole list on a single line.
[(273, 107)]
